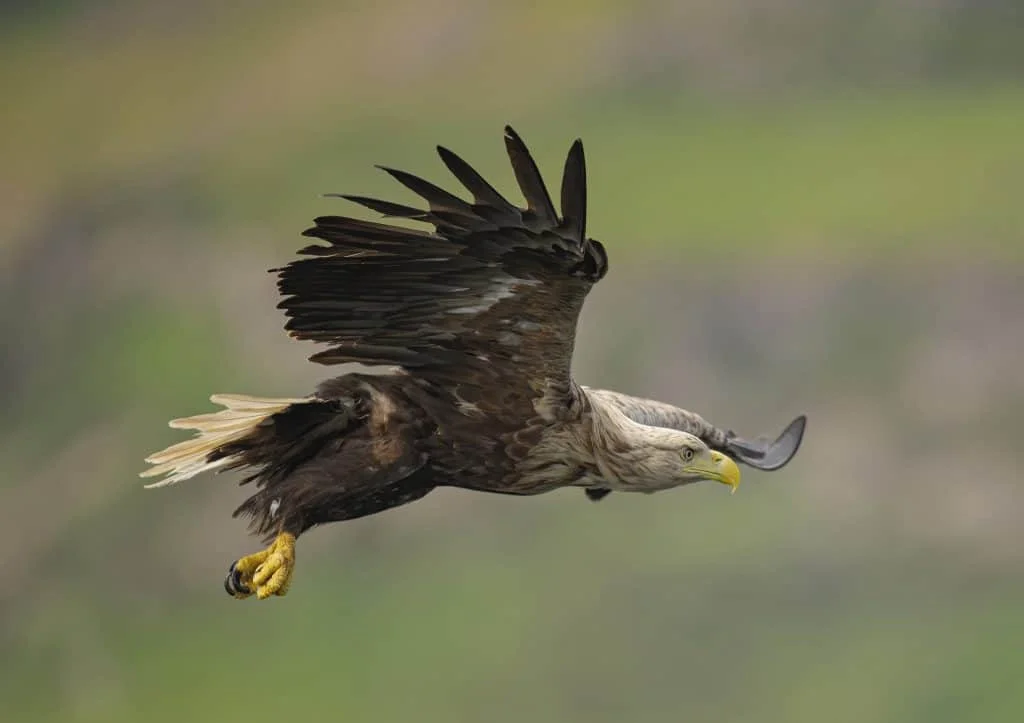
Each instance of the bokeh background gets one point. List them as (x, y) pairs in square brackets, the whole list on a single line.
[(811, 206)]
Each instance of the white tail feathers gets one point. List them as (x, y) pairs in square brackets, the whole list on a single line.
[(187, 459)]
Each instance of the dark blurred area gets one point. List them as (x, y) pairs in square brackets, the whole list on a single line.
[(809, 206)]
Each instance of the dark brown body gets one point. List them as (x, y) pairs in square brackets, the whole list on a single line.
[(365, 443)]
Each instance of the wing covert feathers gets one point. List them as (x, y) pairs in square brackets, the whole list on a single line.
[(187, 459)]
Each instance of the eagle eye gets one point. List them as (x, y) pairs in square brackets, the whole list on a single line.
[(687, 454)]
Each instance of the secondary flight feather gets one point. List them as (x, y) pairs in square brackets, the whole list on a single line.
[(475, 320)]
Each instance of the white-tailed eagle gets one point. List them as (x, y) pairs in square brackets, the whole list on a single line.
[(476, 319)]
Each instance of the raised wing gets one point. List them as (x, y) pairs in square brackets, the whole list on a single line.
[(492, 294), (764, 453)]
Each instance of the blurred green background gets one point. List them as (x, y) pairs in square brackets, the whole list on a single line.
[(810, 206)]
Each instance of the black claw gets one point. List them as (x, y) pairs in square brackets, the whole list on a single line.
[(233, 583)]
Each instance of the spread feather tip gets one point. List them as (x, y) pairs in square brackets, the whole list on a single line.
[(187, 459)]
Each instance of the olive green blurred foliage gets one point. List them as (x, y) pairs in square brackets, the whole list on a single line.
[(809, 208)]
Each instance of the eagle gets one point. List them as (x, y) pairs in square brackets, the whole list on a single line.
[(467, 327)]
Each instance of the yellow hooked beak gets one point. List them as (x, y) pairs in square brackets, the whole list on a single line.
[(718, 467)]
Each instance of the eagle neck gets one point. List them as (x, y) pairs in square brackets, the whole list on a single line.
[(619, 445)]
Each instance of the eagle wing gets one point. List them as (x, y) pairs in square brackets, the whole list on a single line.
[(485, 304)]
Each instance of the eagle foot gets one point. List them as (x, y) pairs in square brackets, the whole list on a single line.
[(267, 572)]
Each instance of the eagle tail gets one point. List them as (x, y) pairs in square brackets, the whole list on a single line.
[(241, 415)]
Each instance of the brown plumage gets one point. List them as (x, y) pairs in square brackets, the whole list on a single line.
[(476, 321)]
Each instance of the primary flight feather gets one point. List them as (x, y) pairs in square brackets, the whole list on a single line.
[(476, 321)]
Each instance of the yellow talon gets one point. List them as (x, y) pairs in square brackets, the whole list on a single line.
[(267, 572)]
